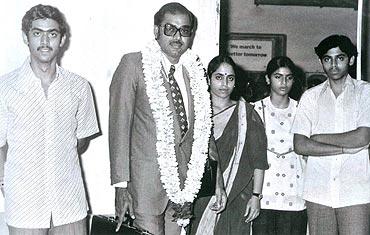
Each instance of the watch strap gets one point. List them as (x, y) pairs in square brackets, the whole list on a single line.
[(258, 195)]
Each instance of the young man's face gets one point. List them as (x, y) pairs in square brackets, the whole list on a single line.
[(174, 45), (44, 40), (336, 63)]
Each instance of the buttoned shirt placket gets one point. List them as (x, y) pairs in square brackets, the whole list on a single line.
[(49, 119), (49, 115), (336, 165)]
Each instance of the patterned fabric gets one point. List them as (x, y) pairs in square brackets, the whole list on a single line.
[(42, 170), (339, 180), (178, 101), (283, 181)]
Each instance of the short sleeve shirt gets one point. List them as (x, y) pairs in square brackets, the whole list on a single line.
[(42, 176), (283, 181), (339, 180)]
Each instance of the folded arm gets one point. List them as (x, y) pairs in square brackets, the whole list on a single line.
[(310, 147), (350, 139)]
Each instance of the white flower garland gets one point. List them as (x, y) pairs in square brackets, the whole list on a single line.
[(165, 145)]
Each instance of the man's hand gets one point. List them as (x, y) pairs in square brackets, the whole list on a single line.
[(124, 205), (354, 150), (221, 199), (253, 209)]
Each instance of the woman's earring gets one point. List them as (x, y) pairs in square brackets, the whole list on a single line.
[(267, 80)]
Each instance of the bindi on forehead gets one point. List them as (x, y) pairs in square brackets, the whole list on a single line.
[(225, 74)]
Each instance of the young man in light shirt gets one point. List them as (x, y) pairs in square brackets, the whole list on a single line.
[(332, 127), (46, 114)]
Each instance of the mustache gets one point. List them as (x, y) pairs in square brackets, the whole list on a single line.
[(176, 41), (43, 47)]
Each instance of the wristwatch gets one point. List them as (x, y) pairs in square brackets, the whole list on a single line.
[(258, 195)]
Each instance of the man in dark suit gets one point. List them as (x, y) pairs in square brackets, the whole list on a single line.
[(160, 127)]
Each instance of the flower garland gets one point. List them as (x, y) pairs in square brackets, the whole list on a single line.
[(163, 117)]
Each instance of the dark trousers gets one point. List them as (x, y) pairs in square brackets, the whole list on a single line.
[(274, 222)]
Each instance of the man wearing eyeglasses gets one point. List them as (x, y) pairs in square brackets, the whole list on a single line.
[(159, 121)]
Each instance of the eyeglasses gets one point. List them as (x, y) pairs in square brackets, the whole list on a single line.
[(171, 30)]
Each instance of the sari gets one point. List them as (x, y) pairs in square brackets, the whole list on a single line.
[(241, 143)]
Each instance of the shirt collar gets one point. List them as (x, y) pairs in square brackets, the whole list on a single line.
[(347, 83), (27, 76), (167, 64)]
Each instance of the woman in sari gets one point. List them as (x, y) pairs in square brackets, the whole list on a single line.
[(241, 143)]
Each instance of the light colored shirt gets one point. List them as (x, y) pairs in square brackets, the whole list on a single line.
[(179, 77), (339, 180), (42, 171), (283, 181)]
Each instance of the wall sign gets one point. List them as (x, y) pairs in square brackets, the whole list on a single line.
[(252, 52)]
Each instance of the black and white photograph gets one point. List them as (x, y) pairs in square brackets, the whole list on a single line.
[(184, 117)]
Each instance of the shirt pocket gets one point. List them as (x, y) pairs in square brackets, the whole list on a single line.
[(66, 107)]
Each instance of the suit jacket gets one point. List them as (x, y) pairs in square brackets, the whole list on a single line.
[(132, 136)]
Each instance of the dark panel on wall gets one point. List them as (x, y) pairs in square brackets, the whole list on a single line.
[(317, 3), (365, 63)]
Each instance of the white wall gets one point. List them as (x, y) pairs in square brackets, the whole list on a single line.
[(102, 31)]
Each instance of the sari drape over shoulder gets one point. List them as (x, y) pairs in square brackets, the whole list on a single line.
[(238, 162)]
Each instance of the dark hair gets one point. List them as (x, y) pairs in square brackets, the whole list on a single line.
[(284, 61), (279, 62), (215, 63), (44, 12), (173, 8), (341, 41)]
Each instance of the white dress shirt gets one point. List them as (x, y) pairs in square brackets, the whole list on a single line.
[(339, 180), (42, 171), (179, 77)]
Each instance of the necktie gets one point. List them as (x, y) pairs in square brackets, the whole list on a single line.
[(178, 102)]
